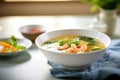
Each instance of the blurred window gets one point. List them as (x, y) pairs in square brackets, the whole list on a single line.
[(35, 0)]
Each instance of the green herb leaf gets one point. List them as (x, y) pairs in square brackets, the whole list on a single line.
[(49, 42), (90, 40), (63, 41), (95, 49), (13, 42), (75, 41)]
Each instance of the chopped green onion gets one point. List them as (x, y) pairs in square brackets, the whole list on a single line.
[(49, 42), (95, 49)]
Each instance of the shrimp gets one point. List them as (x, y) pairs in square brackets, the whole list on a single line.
[(83, 48), (75, 49), (72, 49), (65, 46)]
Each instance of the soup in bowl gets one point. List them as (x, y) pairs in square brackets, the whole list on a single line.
[(73, 48)]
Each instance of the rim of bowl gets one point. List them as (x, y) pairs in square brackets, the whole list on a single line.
[(24, 28), (86, 53)]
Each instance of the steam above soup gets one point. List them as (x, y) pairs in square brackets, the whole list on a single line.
[(73, 44)]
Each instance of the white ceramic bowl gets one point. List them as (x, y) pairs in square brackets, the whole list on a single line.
[(73, 61)]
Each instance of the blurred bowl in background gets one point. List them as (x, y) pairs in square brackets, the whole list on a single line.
[(32, 31)]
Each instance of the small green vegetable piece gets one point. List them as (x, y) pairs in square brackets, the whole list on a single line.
[(90, 40), (74, 41), (63, 41), (95, 49), (13, 41), (85, 38), (49, 42)]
